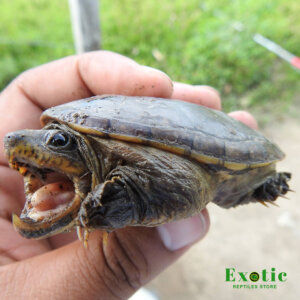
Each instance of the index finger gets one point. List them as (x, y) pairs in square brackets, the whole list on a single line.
[(198, 94), (93, 73)]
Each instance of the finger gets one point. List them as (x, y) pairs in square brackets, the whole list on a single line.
[(245, 118), (132, 257), (12, 196), (93, 73), (73, 78), (199, 94), (176, 235)]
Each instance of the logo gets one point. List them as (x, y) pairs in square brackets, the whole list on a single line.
[(265, 279), (254, 276)]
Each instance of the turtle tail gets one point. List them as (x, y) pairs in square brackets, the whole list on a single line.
[(274, 187)]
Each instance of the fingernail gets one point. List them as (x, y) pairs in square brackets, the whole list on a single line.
[(182, 233)]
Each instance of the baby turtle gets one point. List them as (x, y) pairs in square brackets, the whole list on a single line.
[(113, 161)]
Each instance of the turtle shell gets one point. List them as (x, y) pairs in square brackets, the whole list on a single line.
[(203, 134)]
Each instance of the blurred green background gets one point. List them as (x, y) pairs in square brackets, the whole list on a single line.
[(192, 41)]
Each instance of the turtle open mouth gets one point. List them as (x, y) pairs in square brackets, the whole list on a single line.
[(52, 201), (47, 195)]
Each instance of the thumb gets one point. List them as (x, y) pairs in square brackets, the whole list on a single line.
[(131, 258)]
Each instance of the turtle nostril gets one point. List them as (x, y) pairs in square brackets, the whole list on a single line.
[(11, 140)]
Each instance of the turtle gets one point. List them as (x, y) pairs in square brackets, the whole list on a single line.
[(112, 161)]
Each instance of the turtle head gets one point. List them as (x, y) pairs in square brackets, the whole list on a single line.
[(56, 179), (47, 149)]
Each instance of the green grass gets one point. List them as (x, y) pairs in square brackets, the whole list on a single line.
[(192, 41)]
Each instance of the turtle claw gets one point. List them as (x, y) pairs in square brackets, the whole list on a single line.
[(79, 234), (105, 238), (83, 237), (263, 203), (273, 203)]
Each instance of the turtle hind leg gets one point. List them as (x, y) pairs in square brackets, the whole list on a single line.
[(273, 188)]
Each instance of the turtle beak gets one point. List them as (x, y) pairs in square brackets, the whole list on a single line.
[(23, 145), (31, 229)]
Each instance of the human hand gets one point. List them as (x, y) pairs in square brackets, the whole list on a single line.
[(36, 269)]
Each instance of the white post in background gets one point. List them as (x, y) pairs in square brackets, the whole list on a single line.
[(85, 24)]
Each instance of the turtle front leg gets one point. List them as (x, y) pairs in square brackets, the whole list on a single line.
[(107, 207)]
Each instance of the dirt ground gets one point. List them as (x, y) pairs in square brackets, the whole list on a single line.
[(248, 238)]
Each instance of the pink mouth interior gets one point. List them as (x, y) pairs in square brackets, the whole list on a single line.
[(52, 195)]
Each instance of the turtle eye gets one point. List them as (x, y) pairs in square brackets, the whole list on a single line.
[(61, 140)]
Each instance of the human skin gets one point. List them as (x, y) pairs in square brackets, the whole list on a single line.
[(60, 267)]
